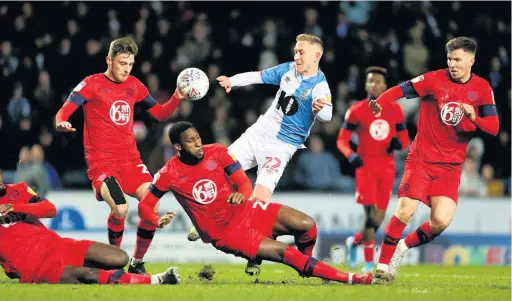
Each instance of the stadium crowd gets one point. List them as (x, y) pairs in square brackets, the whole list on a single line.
[(42, 61)]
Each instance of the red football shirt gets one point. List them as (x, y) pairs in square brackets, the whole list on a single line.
[(442, 127), (375, 133), (22, 236), (203, 189), (108, 116)]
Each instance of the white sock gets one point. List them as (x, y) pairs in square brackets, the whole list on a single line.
[(383, 267), (402, 246), (350, 277), (155, 279)]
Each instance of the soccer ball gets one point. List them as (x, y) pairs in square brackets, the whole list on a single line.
[(193, 83)]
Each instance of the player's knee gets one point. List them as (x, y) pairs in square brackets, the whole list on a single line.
[(120, 211), (307, 223), (115, 191), (119, 259), (439, 224), (377, 218), (405, 210)]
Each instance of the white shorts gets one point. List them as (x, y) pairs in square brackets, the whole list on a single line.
[(256, 148)]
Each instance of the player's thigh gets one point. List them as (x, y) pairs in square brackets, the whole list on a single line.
[(272, 158), (271, 250), (135, 176), (114, 197), (442, 212), (406, 208), (447, 181), (290, 221), (366, 186), (242, 242), (106, 255), (416, 181), (242, 150)]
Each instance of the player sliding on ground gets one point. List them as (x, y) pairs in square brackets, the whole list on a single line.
[(375, 167), (303, 97), (200, 178), (454, 103), (34, 254), (114, 163)]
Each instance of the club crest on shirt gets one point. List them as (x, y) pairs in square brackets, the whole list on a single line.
[(129, 91), (472, 95), (120, 112), (13, 195), (305, 93), (379, 129), (211, 165), (451, 113)]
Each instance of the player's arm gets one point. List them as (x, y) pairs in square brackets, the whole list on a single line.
[(236, 173), (77, 98), (401, 141), (161, 112), (322, 103), (487, 119), (343, 142), (268, 76), (417, 87), (32, 204), (147, 206)]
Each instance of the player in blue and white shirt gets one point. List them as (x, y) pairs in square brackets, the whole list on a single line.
[(303, 97)]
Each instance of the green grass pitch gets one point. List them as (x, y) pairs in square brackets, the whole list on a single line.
[(278, 282)]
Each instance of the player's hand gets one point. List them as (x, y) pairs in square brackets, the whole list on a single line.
[(395, 144), (225, 83), (318, 105), (355, 160), (468, 110), (178, 94), (376, 108), (236, 198), (65, 127), (6, 208), (166, 219)]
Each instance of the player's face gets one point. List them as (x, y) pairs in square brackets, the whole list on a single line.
[(306, 56), (120, 66), (459, 64), (375, 84), (191, 143)]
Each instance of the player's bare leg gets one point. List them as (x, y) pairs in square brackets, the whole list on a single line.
[(441, 215), (262, 193), (145, 233), (75, 275), (107, 257), (112, 194), (392, 233), (307, 266)]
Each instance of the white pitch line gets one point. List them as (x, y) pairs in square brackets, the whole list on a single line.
[(452, 276)]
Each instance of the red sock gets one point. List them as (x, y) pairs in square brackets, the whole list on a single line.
[(145, 234), (421, 236), (115, 230), (368, 247), (306, 241), (392, 234), (357, 238), (309, 266), (121, 277)]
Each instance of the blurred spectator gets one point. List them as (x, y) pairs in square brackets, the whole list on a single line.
[(8, 62), (19, 106), (470, 182), (162, 152), (319, 170), (495, 188), (416, 53), (31, 170), (44, 93)]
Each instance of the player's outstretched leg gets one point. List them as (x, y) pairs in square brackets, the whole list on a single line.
[(443, 210), (107, 257), (74, 275), (307, 266), (392, 233), (290, 221)]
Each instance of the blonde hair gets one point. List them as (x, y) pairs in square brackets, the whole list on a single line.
[(311, 39), (123, 45)]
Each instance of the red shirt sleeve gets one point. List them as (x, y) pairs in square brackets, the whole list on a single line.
[(349, 125), (487, 116), (83, 92), (424, 84), (156, 190), (235, 172), (29, 202), (401, 127)]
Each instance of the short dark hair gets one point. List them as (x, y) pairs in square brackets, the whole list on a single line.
[(376, 69), (464, 43), (177, 129), (123, 45)]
